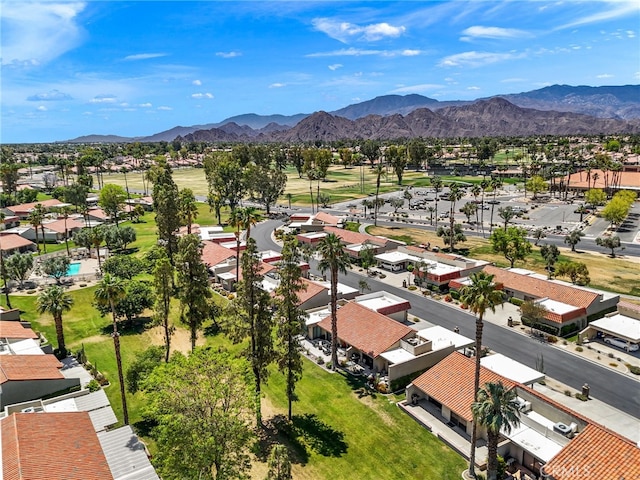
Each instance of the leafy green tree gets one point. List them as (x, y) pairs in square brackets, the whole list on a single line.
[(250, 317), (76, 195), (408, 196), (371, 150), (396, 203), (512, 243), (550, 254), (480, 295), (118, 238), (138, 297), (533, 311), (225, 178), (573, 239), (56, 301), (507, 214), (111, 200), (91, 238), (324, 199), (611, 243), (539, 234), (140, 369), (469, 209), (497, 409), (576, 271), (367, 257), (290, 318), (336, 260), (417, 153), (123, 266), (266, 185), (56, 267), (201, 405), (188, 208), (397, 158), (616, 210), (279, 464), (192, 284), (36, 216), (595, 197), (450, 238), (9, 175), (537, 185), (18, 267), (346, 156), (109, 291), (163, 275)]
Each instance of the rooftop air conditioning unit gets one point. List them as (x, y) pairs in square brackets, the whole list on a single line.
[(525, 407)]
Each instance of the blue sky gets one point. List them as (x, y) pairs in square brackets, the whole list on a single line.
[(138, 68)]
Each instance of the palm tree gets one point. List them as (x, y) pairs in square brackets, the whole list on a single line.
[(65, 212), (476, 190), (188, 207), (3, 270), (35, 219), (250, 216), (484, 185), (378, 171), (455, 194), (436, 184), (110, 290), (336, 260), (497, 409), (495, 184), (56, 301), (480, 295)]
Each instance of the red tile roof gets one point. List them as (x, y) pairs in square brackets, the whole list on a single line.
[(29, 367), (27, 207), (326, 218), (366, 330), (579, 179), (311, 291), (540, 288), (264, 269), (596, 453), (349, 237), (52, 446), (97, 213), (13, 241), (450, 382), (15, 330), (213, 253), (58, 225)]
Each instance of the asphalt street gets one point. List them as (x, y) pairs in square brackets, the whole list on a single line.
[(615, 389)]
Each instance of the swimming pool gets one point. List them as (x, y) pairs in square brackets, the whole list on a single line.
[(74, 269)]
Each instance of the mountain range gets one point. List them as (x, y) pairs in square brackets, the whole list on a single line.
[(553, 110)]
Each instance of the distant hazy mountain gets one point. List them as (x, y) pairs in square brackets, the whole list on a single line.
[(494, 117), (616, 102), (100, 139)]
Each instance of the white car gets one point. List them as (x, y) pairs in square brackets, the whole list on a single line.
[(618, 342)]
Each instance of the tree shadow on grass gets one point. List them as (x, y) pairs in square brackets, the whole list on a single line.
[(359, 385), (301, 435), (125, 327)]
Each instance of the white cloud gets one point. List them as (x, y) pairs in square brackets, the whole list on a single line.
[(103, 99), (604, 75), (345, 31), (51, 96), (196, 83), (228, 54), (362, 52), (145, 105), (144, 56), (163, 107), (202, 95), (492, 32), (36, 33), (473, 88), (335, 66), (476, 59), (613, 9), (512, 80), (42, 108), (425, 87), (277, 85), (637, 75)]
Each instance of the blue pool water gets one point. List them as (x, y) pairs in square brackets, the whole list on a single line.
[(74, 269)]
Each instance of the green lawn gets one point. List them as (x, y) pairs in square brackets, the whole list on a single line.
[(352, 433)]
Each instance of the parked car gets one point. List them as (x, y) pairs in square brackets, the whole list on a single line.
[(493, 202), (620, 343)]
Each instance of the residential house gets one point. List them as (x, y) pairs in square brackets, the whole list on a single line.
[(385, 303), (16, 339), (10, 222), (218, 259), (54, 230), (23, 210), (314, 223), (27, 377), (11, 243), (569, 307), (623, 324), (551, 439)]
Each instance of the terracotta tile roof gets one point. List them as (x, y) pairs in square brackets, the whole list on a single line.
[(264, 269), (13, 241), (579, 179), (29, 367), (349, 237), (52, 446), (213, 253), (15, 330), (311, 291), (97, 213), (596, 453), (58, 225), (413, 248), (539, 288), (326, 218), (27, 207), (450, 382), (366, 330)]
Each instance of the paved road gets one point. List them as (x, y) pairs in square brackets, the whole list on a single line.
[(617, 390)]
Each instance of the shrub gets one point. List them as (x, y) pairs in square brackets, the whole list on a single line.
[(567, 393), (464, 306), (412, 287), (82, 285), (60, 353), (93, 385), (382, 275), (552, 339), (613, 364), (455, 294), (564, 342), (448, 298), (31, 292), (579, 349), (582, 397), (516, 301), (634, 369), (320, 361), (611, 355)]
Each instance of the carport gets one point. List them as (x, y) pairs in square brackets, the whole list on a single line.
[(617, 325)]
